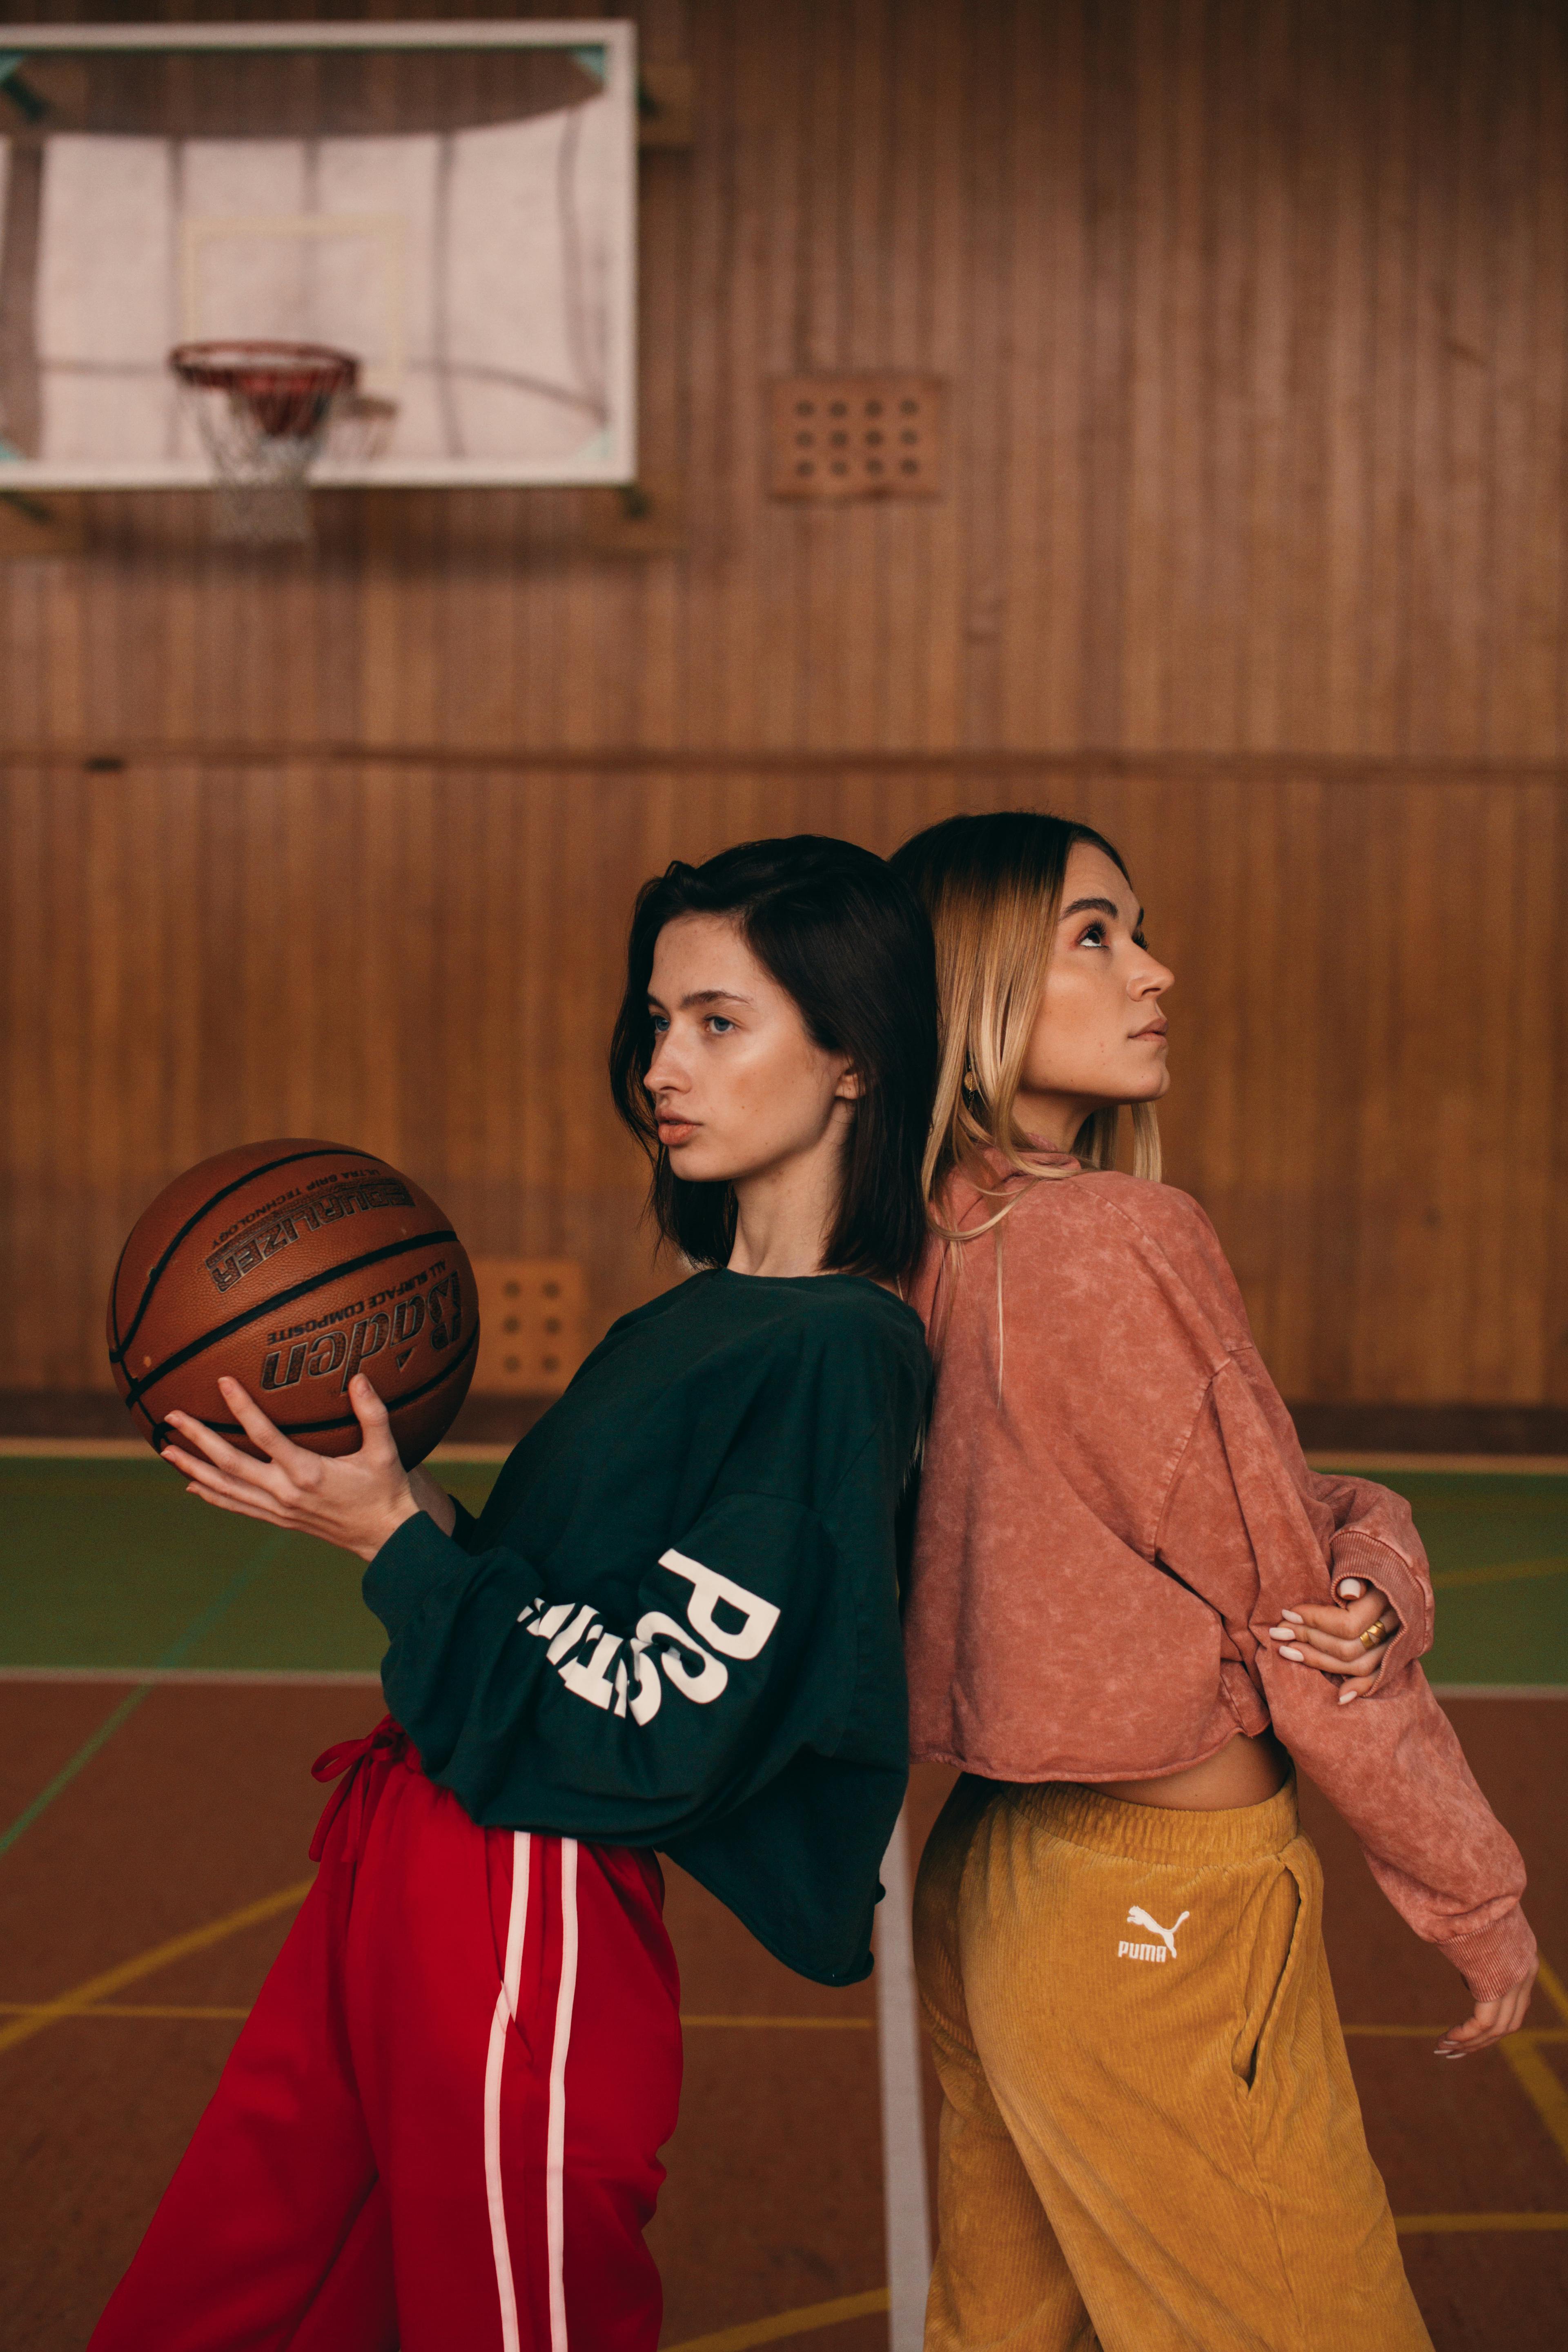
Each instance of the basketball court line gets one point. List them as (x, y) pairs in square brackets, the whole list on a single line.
[(1500, 1690), (88, 1999), (1465, 2225), (805, 2321), (199, 1677), (158, 2012), (905, 2196), (1434, 2032), (783, 2024), (146, 1964), (1497, 1466), (1551, 1985), (149, 1678), (1501, 1572), (199, 1627), (1545, 2092), (1539, 2083), (199, 2013)]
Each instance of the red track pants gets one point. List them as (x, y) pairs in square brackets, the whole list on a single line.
[(438, 2128)]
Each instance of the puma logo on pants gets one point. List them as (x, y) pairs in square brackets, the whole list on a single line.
[(1162, 1951)]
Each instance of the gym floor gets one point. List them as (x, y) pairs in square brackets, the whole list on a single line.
[(169, 1674)]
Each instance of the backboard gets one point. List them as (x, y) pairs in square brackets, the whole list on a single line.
[(452, 203)]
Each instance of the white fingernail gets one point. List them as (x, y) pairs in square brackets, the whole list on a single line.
[(1291, 1618), (1289, 1651), (1346, 1695), (1350, 1590)]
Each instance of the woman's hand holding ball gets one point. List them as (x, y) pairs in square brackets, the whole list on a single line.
[(354, 1500)]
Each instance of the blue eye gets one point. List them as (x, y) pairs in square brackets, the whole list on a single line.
[(719, 1025), (659, 1022)]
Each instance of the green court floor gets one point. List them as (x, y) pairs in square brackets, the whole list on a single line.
[(109, 1564)]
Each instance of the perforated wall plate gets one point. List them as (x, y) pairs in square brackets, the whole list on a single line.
[(531, 1335), (856, 436)]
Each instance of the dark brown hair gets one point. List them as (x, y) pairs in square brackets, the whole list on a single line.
[(849, 942)]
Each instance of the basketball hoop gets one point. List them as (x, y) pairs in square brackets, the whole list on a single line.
[(262, 409)]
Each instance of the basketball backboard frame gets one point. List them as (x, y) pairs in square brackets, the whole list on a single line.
[(607, 457)]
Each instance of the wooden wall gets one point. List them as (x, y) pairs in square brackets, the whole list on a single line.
[(1255, 314)]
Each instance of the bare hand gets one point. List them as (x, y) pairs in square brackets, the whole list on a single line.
[(1491, 2020), (1329, 1639), (356, 1501)]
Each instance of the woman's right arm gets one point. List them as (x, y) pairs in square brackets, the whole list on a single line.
[(733, 1655)]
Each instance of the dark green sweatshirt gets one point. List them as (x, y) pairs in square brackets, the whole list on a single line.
[(675, 1622)]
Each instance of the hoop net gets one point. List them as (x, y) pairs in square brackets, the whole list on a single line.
[(263, 409)]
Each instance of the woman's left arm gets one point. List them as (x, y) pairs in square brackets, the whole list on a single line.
[(1381, 1610)]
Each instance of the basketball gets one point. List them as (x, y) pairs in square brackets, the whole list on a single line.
[(290, 1266)]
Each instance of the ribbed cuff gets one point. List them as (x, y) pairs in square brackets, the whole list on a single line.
[(1353, 1554), (1494, 1957)]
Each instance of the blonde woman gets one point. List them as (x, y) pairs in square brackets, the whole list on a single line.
[(1124, 1575)]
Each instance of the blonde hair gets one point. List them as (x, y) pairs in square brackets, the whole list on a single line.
[(992, 889)]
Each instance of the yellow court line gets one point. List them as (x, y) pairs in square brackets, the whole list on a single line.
[(146, 1964), (1503, 1572), (804, 2321), (47, 2010), (1435, 2032), (1422, 2225), (1553, 1986), (1541, 2086), (807, 2024), (124, 2009)]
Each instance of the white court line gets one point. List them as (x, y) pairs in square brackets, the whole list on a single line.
[(1499, 1690), (903, 2122), (1490, 1466), (331, 1678), (1504, 1466)]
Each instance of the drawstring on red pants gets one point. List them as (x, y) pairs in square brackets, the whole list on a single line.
[(388, 1740)]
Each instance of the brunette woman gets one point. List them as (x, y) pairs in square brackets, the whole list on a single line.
[(1123, 1571), (674, 1626)]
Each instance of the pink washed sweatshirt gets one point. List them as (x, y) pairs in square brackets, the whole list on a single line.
[(1114, 1509)]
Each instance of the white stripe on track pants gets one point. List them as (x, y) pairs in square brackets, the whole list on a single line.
[(439, 2126)]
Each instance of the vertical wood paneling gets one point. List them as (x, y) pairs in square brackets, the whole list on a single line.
[(1367, 1027), (1254, 315)]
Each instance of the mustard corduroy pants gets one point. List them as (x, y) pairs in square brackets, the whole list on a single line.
[(1149, 2136)]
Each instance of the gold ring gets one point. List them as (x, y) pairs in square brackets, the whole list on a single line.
[(1373, 1636)]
